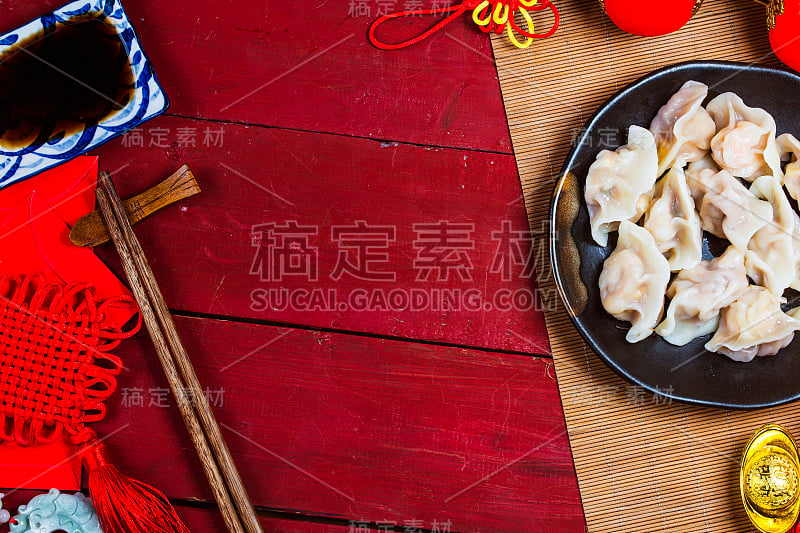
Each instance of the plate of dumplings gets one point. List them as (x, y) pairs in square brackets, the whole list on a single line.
[(676, 234)]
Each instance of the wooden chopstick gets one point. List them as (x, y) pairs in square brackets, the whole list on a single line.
[(183, 362), (216, 481)]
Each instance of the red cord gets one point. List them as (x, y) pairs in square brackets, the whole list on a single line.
[(456, 10), (124, 504), (55, 367)]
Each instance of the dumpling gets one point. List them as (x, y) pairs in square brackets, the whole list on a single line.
[(771, 258), (634, 280), (619, 184), (682, 128), (753, 325), (699, 293), (788, 145), (698, 176), (732, 212), (674, 222), (745, 142)]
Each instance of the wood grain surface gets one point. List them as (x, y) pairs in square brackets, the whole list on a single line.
[(203, 252), (310, 67), (643, 464), (401, 408), (200, 519), (357, 428)]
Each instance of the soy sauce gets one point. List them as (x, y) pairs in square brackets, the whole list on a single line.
[(55, 83)]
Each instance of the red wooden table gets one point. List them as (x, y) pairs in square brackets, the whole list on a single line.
[(354, 282)]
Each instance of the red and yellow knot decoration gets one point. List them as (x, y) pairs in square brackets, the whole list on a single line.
[(490, 16)]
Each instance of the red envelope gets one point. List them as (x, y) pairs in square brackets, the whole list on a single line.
[(33, 238), (68, 189), (41, 466), (35, 215)]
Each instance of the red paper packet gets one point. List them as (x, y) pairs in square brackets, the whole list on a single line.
[(68, 189), (40, 467), (34, 236)]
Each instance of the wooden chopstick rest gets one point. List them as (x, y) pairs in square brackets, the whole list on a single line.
[(90, 230)]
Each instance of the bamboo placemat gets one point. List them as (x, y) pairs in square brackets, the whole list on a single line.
[(642, 465)]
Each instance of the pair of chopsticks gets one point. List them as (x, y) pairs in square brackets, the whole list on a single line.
[(223, 477)]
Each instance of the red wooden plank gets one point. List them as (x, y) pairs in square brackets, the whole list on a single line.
[(203, 251), (211, 54), (359, 428), (200, 520)]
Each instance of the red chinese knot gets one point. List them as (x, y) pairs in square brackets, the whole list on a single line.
[(55, 367)]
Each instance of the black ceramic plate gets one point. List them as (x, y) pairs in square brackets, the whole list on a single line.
[(685, 373)]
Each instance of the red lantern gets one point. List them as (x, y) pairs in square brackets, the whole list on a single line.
[(783, 19), (650, 18)]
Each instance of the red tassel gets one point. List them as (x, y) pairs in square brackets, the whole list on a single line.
[(125, 505)]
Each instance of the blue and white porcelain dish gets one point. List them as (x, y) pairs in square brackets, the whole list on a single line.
[(147, 98)]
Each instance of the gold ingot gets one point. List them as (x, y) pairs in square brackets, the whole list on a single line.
[(769, 480)]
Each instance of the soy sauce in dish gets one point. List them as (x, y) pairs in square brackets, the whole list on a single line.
[(56, 83)]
